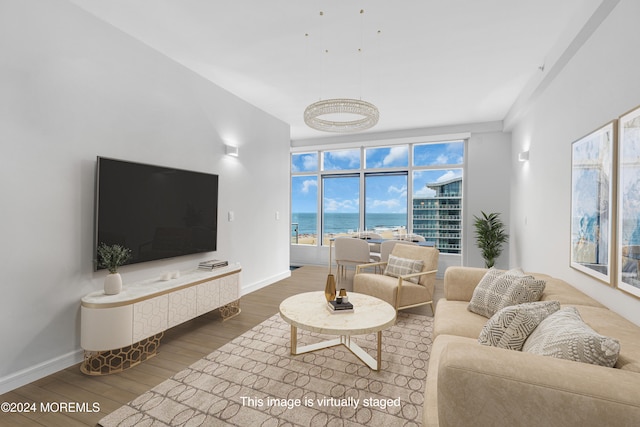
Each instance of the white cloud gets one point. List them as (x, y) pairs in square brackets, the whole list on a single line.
[(310, 163), (333, 205), (395, 153), (424, 192), (402, 191), (442, 159), (447, 176), (306, 184), (389, 203), (352, 156)]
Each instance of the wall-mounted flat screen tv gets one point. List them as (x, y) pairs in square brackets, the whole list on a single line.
[(156, 211)]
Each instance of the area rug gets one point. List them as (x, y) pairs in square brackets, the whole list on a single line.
[(254, 381)]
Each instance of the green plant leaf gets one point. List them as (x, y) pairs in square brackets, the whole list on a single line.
[(112, 257), (490, 236)]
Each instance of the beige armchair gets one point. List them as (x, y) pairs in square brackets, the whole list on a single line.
[(400, 291), (385, 249)]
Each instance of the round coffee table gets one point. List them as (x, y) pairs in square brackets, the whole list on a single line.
[(309, 311)]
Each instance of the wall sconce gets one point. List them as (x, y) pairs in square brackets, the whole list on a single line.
[(524, 156), (230, 150)]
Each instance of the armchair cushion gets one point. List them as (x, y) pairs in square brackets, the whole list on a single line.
[(386, 288), (397, 267)]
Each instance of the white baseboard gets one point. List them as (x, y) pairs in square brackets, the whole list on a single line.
[(266, 282), (41, 370), (34, 373)]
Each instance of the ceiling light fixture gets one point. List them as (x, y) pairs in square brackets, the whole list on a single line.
[(342, 114), (367, 112)]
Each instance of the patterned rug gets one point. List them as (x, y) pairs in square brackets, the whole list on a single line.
[(254, 381)]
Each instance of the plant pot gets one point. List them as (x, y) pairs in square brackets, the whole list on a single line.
[(113, 284)]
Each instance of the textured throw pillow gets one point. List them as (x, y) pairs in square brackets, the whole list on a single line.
[(397, 267), (565, 336), (499, 289), (510, 327)]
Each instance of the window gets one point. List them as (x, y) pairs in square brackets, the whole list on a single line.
[(304, 209), (437, 207), (385, 201), (340, 205), (387, 157), (438, 154), (391, 190), (304, 162), (341, 159), (437, 194)]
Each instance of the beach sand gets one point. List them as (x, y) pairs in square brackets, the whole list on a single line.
[(312, 239)]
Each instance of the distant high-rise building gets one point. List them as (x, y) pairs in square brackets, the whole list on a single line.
[(439, 218)]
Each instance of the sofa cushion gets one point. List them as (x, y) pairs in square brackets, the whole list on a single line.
[(499, 289), (453, 318), (397, 267), (510, 326), (565, 336), (609, 323)]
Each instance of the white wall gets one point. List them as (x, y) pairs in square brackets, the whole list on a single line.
[(74, 88), (597, 85), (487, 190), (487, 183)]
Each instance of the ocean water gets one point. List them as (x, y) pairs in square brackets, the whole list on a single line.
[(345, 222)]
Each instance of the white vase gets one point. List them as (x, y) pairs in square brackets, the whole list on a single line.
[(112, 284)]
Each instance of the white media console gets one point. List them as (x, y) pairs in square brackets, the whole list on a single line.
[(120, 331)]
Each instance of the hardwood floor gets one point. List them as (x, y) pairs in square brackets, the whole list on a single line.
[(180, 347)]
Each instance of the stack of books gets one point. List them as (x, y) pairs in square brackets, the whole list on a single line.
[(210, 265), (344, 307)]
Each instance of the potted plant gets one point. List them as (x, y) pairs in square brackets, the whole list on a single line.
[(112, 257), (490, 236)]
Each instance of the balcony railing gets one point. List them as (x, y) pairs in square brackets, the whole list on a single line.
[(436, 207), (436, 226), (438, 217)]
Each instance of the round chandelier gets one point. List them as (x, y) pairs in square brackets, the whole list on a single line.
[(368, 115)]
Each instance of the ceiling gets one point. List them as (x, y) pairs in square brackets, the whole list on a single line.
[(424, 63)]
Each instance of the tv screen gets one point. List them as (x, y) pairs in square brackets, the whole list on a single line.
[(157, 212)]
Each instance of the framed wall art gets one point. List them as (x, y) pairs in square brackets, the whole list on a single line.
[(592, 203), (628, 278)]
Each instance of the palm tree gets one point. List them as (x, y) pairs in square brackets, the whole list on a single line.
[(490, 236)]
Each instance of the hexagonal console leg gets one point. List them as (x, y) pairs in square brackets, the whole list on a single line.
[(230, 310), (118, 360)]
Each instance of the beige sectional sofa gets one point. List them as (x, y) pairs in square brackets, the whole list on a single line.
[(469, 384)]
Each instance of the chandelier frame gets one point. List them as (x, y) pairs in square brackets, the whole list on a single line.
[(368, 112)]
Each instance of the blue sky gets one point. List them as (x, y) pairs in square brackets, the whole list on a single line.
[(386, 194)]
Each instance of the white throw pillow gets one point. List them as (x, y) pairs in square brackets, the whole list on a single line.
[(397, 267), (565, 336), (499, 289), (511, 326)]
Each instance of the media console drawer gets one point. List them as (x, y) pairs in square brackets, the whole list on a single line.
[(120, 331)]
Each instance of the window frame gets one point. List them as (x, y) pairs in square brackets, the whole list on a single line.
[(363, 171)]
